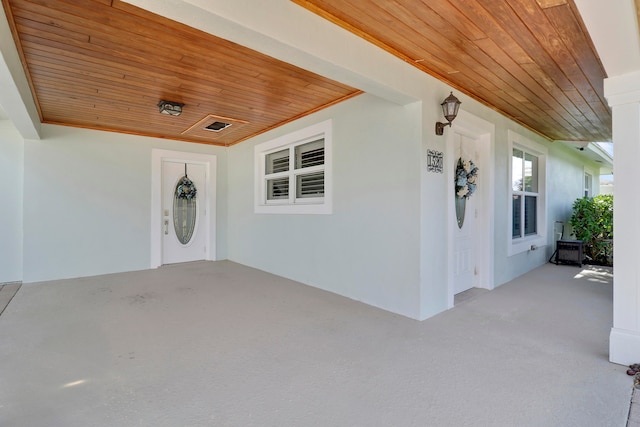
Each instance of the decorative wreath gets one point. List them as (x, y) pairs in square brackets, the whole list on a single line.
[(466, 178), (186, 189)]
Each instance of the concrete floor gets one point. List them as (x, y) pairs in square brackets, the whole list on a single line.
[(220, 344), (7, 292)]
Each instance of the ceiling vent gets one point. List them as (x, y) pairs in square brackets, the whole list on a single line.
[(215, 129), (217, 126)]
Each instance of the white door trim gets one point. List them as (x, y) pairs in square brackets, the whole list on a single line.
[(483, 131), (210, 162)]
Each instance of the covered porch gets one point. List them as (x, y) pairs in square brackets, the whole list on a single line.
[(218, 343)]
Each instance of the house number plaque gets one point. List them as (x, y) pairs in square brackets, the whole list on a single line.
[(435, 160)]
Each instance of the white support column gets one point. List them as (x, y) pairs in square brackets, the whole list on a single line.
[(623, 95)]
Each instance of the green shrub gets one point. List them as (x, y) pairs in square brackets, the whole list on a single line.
[(592, 222)]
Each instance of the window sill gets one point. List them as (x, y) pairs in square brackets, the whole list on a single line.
[(524, 245), (300, 209)]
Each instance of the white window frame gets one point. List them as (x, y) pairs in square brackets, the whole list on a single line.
[(522, 244), (588, 184), (315, 205)]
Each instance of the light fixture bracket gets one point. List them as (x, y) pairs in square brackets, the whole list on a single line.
[(440, 127), (170, 108)]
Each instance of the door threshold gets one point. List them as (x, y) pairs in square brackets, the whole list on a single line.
[(175, 264), (468, 295)]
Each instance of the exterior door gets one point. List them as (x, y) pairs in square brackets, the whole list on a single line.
[(184, 215), (464, 256)]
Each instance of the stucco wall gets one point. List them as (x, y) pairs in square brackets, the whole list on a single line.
[(87, 202), (388, 247), (564, 184), (11, 185), (568, 172), (368, 249)]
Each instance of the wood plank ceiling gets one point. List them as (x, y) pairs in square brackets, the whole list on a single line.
[(105, 64), (532, 60)]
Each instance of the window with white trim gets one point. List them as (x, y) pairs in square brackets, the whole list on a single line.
[(524, 187), (588, 180), (293, 173), (527, 209)]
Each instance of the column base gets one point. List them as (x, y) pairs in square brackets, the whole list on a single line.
[(624, 346)]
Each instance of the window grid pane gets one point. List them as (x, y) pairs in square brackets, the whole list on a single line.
[(530, 173), (310, 154), (517, 170), (587, 185), (311, 185), (516, 217), (277, 162), (278, 188), (530, 215)]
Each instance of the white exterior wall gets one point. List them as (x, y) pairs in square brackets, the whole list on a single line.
[(369, 248), (565, 183), (11, 188), (87, 202), (386, 242)]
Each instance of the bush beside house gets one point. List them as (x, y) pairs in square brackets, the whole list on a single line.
[(592, 222)]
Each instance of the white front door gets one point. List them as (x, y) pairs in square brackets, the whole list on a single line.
[(470, 248), (184, 218), (464, 245)]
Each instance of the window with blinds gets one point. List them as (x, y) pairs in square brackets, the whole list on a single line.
[(306, 174), (294, 174)]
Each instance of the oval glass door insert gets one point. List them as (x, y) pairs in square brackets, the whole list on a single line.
[(184, 209)]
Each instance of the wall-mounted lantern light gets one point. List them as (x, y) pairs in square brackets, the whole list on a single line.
[(450, 110)]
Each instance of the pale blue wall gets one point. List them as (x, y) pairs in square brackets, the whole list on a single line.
[(11, 185), (387, 248), (368, 249), (567, 169), (565, 183), (87, 202), (508, 267)]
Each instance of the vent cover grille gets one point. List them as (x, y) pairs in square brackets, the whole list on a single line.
[(217, 126)]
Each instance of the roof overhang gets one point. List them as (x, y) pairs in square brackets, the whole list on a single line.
[(594, 152)]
